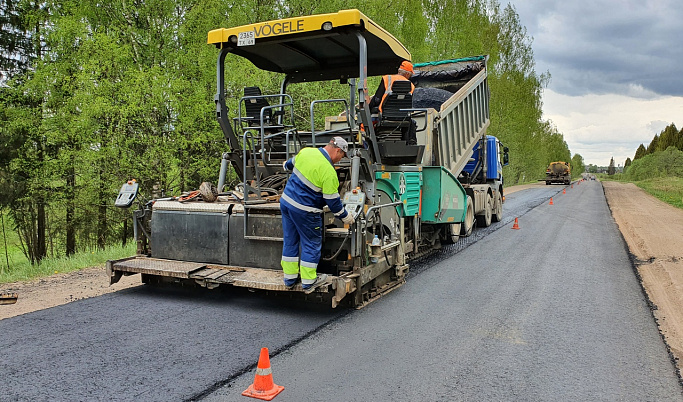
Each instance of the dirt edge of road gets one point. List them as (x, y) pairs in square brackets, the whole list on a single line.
[(58, 289), (652, 230)]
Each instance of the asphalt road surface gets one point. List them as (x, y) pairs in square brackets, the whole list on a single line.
[(552, 311)]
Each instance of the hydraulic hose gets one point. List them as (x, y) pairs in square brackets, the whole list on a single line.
[(339, 250)]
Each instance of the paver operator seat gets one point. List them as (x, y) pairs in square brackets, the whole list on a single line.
[(396, 130)]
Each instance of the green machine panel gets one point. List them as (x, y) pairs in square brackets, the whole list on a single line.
[(404, 186), (443, 198)]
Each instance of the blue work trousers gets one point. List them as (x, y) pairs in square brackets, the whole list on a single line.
[(301, 229)]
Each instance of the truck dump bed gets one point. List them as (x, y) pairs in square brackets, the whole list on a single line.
[(463, 118)]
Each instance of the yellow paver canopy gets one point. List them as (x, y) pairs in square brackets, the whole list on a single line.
[(316, 47)]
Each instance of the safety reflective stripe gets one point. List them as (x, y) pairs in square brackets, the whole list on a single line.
[(387, 86), (264, 371), (306, 181), (290, 259), (314, 165), (387, 91), (290, 268), (308, 275), (306, 264), (334, 197), (296, 205)]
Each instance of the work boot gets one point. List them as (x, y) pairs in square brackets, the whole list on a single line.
[(290, 283), (319, 280)]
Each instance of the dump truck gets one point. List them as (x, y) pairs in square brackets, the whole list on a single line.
[(558, 172), (407, 199), (482, 179)]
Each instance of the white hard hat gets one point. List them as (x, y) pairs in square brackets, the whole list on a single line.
[(341, 143)]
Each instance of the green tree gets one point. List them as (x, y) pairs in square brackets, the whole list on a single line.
[(26, 170), (15, 43), (660, 164), (667, 137), (654, 145), (640, 152), (120, 90), (577, 165)]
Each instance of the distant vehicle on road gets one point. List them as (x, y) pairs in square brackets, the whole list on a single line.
[(558, 172)]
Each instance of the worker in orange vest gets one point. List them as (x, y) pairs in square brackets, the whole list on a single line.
[(405, 71)]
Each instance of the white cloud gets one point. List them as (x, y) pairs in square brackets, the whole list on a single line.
[(616, 68), (606, 46), (599, 127)]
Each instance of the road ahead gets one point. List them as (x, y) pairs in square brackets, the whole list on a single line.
[(552, 311)]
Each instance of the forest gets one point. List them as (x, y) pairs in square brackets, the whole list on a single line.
[(663, 157), (669, 137), (95, 93)]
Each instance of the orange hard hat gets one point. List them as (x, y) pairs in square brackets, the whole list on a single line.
[(406, 65)]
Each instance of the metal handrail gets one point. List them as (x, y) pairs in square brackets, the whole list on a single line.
[(240, 118), (346, 108), (248, 133), (417, 112), (397, 203), (263, 128), (377, 208)]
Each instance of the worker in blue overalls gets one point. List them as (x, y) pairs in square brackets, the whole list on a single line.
[(313, 184)]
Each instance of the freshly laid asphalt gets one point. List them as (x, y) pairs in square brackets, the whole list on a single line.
[(552, 311)]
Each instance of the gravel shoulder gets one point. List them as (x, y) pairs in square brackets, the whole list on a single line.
[(653, 231), (59, 289)]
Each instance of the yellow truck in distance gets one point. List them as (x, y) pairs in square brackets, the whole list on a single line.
[(558, 172)]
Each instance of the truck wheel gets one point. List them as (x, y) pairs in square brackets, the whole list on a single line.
[(485, 219), (498, 208), (468, 225), (451, 233)]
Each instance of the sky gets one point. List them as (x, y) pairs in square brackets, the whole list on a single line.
[(616, 71)]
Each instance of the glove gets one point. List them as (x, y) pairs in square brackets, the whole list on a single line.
[(348, 219), (284, 165)]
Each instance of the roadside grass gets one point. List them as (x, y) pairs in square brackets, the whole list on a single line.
[(15, 267), (10, 255), (24, 271), (667, 189)]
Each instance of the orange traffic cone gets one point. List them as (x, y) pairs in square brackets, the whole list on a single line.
[(551, 201), (572, 186), (564, 191), (263, 386), (516, 225)]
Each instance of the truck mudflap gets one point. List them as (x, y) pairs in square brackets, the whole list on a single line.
[(213, 275)]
